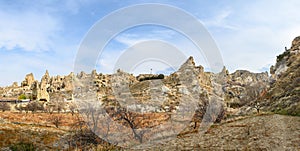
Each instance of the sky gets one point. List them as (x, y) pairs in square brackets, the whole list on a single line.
[(36, 36)]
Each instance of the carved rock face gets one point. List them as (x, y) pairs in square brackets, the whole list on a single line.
[(29, 79)]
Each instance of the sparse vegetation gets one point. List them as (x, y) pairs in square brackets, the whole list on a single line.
[(34, 106), (56, 120), (22, 146), (4, 106), (73, 108), (132, 120), (22, 97), (281, 56), (244, 91)]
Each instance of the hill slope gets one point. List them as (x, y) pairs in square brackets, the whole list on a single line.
[(284, 93), (264, 132)]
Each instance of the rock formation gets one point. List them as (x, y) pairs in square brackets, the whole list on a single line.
[(29, 79), (42, 92), (278, 93), (284, 94), (167, 91)]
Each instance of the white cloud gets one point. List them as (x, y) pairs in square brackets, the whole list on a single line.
[(249, 34), (220, 20), (30, 31), (264, 29), (134, 37), (110, 55)]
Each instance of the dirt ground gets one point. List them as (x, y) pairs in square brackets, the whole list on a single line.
[(257, 132), (260, 132)]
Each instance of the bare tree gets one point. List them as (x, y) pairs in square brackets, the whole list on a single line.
[(83, 137), (131, 119), (56, 120), (4, 106), (72, 108), (49, 108), (34, 106), (55, 106), (59, 106)]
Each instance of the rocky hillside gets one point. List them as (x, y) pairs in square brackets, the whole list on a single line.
[(284, 94), (158, 98), (235, 90), (163, 94)]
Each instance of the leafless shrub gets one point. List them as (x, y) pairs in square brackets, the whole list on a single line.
[(130, 119), (49, 108), (82, 137), (72, 108), (56, 120), (59, 106), (34, 106), (4, 106), (55, 106)]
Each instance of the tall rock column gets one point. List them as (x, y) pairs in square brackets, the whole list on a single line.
[(43, 94)]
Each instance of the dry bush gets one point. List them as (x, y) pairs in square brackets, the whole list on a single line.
[(4, 106), (130, 119), (34, 106), (83, 138), (24, 146), (56, 120), (73, 108)]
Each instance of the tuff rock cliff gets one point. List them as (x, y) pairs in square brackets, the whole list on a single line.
[(186, 80), (284, 94)]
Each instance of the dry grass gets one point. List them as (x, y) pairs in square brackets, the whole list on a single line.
[(36, 129), (41, 119)]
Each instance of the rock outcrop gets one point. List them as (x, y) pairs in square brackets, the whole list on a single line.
[(165, 92), (284, 94), (243, 87), (42, 92), (278, 93), (29, 79)]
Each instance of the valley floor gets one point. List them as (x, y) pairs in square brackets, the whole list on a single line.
[(257, 132)]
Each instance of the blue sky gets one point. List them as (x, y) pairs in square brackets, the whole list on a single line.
[(38, 35)]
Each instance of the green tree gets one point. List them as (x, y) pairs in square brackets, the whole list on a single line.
[(22, 97)]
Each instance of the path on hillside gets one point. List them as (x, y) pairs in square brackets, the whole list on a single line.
[(265, 132)]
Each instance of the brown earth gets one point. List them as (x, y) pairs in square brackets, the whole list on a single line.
[(259, 132), (256, 132)]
